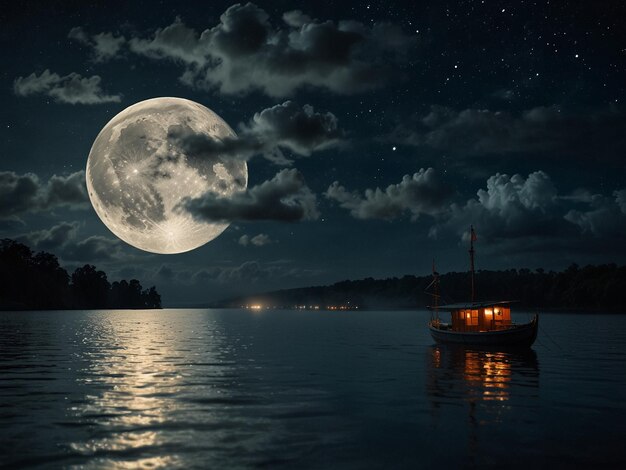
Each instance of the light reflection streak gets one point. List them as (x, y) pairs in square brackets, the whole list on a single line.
[(470, 375), (488, 374), (484, 382), (134, 376)]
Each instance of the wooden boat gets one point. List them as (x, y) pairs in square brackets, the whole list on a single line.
[(484, 324)]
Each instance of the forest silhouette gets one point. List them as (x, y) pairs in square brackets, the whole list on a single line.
[(36, 281), (590, 288)]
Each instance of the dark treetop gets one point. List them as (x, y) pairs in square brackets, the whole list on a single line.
[(36, 281)]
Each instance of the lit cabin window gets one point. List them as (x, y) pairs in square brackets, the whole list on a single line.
[(489, 313), (498, 312), (471, 317)]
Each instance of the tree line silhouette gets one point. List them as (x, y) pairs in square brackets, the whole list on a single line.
[(36, 281), (590, 288)]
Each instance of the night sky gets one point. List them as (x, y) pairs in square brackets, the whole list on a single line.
[(384, 128)]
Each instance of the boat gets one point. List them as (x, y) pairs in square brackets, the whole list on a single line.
[(479, 323)]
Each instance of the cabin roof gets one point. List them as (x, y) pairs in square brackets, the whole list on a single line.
[(473, 305)]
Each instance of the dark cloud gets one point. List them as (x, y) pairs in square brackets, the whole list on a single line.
[(505, 95), (66, 190), (175, 42), (258, 240), (285, 197), (518, 214), (422, 193), (510, 207), (165, 273), (53, 238), (71, 89), (603, 217), (300, 130), (546, 130), (296, 19), (104, 45), (620, 199), (63, 240), (344, 57), (20, 194), (205, 275), (246, 52), (513, 214), (222, 275), (92, 249), (130, 272), (250, 272)]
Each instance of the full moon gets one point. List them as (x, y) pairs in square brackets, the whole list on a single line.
[(138, 174)]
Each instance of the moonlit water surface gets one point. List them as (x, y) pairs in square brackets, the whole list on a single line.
[(280, 389)]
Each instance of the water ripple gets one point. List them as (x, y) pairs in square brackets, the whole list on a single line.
[(222, 389)]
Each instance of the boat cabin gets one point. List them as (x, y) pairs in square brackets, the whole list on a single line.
[(479, 316)]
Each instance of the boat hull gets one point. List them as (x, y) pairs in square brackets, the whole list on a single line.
[(518, 336)]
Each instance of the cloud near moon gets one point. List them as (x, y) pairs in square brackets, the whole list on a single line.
[(284, 198), (286, 126)]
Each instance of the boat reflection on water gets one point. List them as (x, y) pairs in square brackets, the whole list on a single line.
[(471, 375), (491, 392)]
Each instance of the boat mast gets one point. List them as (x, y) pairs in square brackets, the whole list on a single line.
[(434, 313), (471, 253), (436, 286)]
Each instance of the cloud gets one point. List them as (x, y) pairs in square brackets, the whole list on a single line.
[(515, 213), (300, 130), (175, 42), (510, 207), (505, 94), (249, 272), (165, 273), (296, 19), (285, 197), (547, 130), (503, 192), (66, 190), (258, 240), (105, 45), (620, 199), (20, 194), (71, 89), (245, 52), (422, 193), (603, 217), (220, 279), (53, 238), (94, 248), (62, 239)]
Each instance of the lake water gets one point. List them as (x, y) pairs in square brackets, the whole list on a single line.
[(301, 389)]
